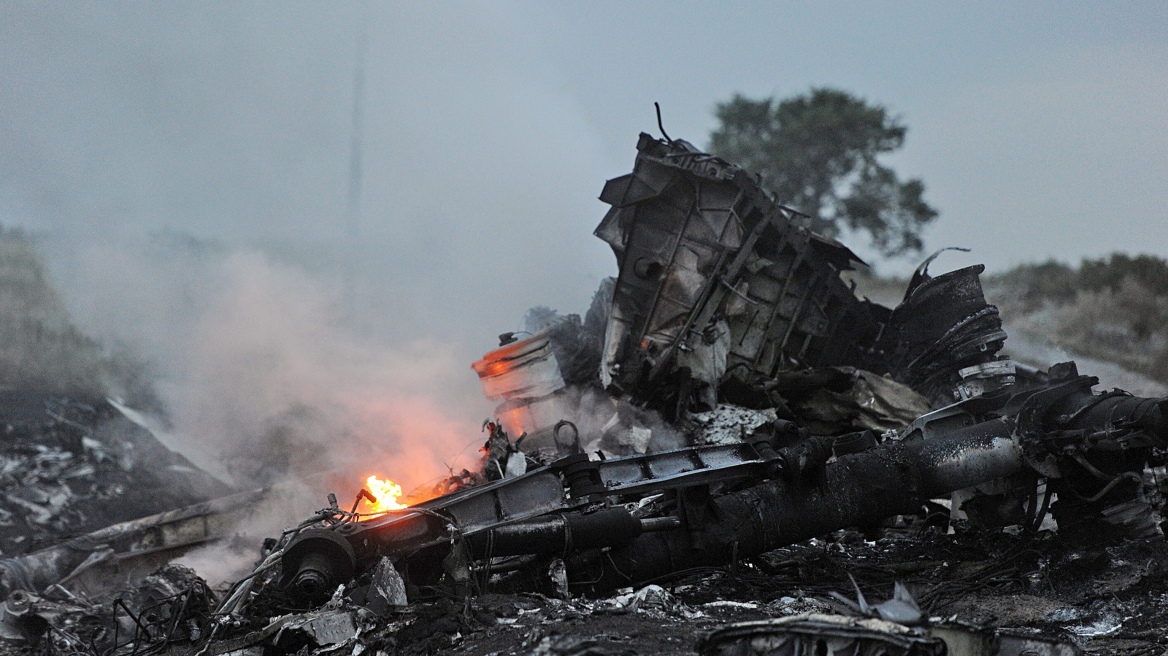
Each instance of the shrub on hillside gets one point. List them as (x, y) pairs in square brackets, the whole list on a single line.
[(1114, 309), (1149, 271)]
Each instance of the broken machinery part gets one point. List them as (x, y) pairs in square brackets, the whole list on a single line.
[(727, 502)]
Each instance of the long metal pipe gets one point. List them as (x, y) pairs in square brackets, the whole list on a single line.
[(894, 478)]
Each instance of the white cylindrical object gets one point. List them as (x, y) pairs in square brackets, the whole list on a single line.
[(526, 369)]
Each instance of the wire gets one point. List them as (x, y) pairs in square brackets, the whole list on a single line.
[(661, 126)]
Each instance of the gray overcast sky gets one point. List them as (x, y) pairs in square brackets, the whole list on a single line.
[(1039, 128)]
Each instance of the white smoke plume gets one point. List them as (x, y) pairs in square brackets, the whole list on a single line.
[(262, 372)]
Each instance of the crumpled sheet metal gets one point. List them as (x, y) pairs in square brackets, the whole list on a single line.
[(711, 267), (820, 634), (653, 599), (387, 590), (835, 634), (328, 629), (976, 641), (322, 628), (872, 402)]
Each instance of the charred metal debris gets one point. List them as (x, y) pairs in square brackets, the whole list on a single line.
[(726, 399)]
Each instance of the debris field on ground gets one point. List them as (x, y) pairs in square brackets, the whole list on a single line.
[(731, 453)]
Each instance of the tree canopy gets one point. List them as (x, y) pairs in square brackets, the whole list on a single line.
[(818, 153)]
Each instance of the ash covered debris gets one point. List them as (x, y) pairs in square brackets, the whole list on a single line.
[(93, 505), (70, 467), (730, 433)]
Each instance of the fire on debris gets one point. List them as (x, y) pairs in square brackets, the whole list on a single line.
[(387, 494)]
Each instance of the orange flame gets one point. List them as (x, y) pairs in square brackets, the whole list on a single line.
[(387, 493)]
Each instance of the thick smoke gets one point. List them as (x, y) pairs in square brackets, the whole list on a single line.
[(284, 388), (261, 372)]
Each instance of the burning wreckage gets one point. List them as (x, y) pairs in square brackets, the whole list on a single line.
[(726, 396)]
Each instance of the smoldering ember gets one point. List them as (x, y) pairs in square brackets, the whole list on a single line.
[(731, 452)]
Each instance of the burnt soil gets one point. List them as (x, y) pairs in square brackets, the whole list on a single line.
[(1108, 598)]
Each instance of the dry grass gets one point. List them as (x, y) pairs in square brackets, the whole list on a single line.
[(1114, 309)]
